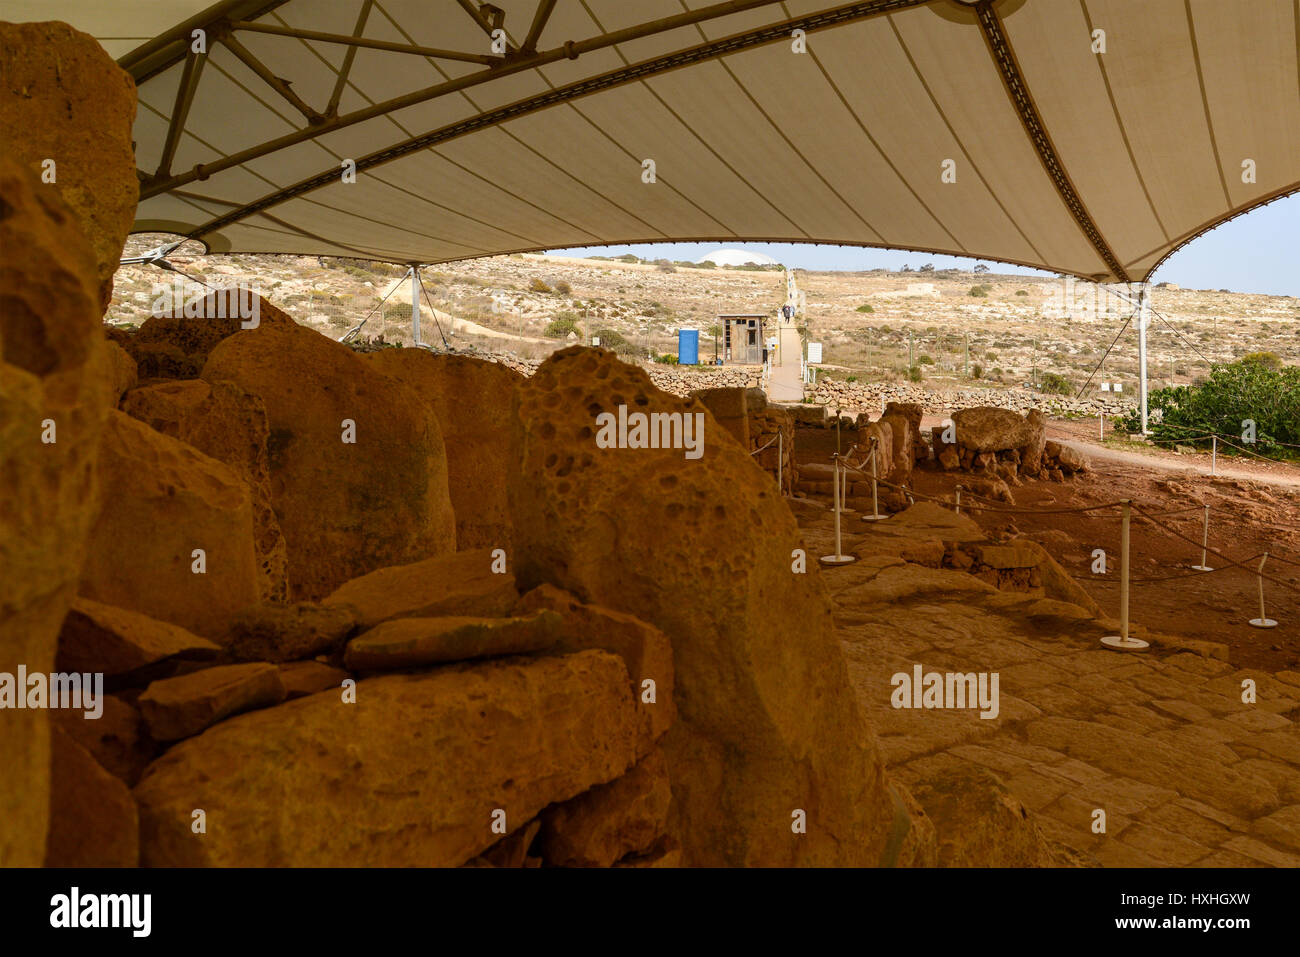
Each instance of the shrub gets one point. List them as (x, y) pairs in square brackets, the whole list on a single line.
[(979, 292), (1265, 360), (924, 361), (977, 371), (914, 374), (562, 325), (1054, 383), (666, 359), (851, 378), (1232, 393), (563, 288), (665, 267), (538, 286), (990, 354), (1021, 292), (866, 308), (614, 341)]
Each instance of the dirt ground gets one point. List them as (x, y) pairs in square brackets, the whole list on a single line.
[(1254, 507)]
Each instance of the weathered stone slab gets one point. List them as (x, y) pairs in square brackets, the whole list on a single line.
[(183, 706), (101, 638), (459, 584), (413, 642), (443, 750), (288, 632)]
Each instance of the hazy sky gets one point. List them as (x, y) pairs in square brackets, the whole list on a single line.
[(1258, 252)]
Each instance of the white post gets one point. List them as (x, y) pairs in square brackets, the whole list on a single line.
[(838, 551), (839, 558), (1204, 566), (1263, 621), (1214, 455), (875, 515), (415, 304), (1123, 641), (958, 499), (1143, 311), (1101, 426)]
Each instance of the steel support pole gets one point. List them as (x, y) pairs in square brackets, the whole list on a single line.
[(1144, 307), (1123, 571), (415, 304)]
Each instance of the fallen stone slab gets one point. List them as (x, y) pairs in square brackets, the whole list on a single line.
[(459, 584), (302, 678), (180, 707), (288, 632), (413, 642), (408, 775), (102, 638)]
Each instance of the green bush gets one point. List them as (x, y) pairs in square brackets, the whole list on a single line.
[(867, 307), (1021, 292), (562, 325), (666, 359), (1054, 383), (1232, 393), (538, 286), (614, 341), (980, 292), (563, 288), (1265, 360), (914, 374), (924, 361), (977, 371)]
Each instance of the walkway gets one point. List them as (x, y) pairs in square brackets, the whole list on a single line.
[(786, 383), (1186, 772)]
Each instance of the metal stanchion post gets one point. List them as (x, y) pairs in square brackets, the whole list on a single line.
[(1205, 544), (839, 558), (1122, 641), (1263, 621), (958, 499), (780, 459), (875, 515)]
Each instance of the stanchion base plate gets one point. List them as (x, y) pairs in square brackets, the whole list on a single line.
[(1124, 644), (1202, 568), (1263, 622), (838, 559), (874, 518)]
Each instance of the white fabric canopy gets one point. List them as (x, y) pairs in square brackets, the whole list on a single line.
[(1062, 155)]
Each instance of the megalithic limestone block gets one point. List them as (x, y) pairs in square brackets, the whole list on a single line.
[(768, 723), (471, 398), (64, 101), (165, 502), (408, 775), (55, 386), (358, 468)]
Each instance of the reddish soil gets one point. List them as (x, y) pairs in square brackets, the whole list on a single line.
[(1255, 507)]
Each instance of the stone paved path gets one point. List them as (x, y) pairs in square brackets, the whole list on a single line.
[(1187, 773)]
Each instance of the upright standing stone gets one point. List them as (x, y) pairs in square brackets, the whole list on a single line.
[(55, 387), (702, 548)]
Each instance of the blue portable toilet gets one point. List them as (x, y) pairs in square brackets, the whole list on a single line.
[(688, 347)]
